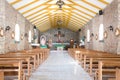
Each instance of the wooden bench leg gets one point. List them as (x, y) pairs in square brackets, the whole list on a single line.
[(100, 70), (1, 75), (117, 74)]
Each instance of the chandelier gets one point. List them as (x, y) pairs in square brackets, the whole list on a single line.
[(59, 22), (60, 3)]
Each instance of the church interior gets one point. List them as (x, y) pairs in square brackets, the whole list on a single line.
[(59, 39)]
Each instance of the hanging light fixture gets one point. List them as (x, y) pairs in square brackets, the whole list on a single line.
[(59, 22), (60, 3)]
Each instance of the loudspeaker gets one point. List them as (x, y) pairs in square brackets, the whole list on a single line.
[(79, 30), (100, 12)]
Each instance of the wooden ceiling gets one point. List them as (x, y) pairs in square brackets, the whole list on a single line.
[(45, 14)]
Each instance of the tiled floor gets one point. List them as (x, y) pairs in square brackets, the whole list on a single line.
[(60, 66)]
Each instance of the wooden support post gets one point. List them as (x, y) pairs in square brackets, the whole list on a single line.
[(91, 60), (1, 75), (20, 71), (84, 62), (100, 70)]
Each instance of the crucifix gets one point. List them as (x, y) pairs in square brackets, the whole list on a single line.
[(59, 35)]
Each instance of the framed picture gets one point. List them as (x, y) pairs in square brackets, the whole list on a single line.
[(117, 32), (13, 35), (22, 36), (96, 36), (105, 34), (1, 32)]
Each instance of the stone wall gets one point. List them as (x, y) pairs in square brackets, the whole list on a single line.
[(68, 35), (10, 17), (109, 18)]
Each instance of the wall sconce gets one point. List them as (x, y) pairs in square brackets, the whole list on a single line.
[(1, 31), (34, 27), (84, 37), (7, 28), (111, 28), (26, 35), (92, 35), (22, 37), (13, 35)]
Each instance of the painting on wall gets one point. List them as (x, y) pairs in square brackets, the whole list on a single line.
[(105, 34), (117, 32)]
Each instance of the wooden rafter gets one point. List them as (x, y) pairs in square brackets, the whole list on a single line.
[(27, 4), (77, 22), (83, 7), (36, 12), (91, 4), (81, 16), (37, 15), (104, 2), (40, 20), (35, 7), (15, 2)]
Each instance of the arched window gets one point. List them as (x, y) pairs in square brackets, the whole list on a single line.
[(30, 37), (17, 33), (88, 35), (101, 32)]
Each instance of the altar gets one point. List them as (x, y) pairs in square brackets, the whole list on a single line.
[(60, 46)]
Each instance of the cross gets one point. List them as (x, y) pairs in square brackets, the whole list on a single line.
[(59, 35)]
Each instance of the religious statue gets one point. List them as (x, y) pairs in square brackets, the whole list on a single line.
[(43, 41)]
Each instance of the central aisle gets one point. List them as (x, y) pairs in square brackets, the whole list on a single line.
[(60, 66)]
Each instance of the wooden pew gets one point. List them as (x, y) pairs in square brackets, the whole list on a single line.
[(89, 57), (25, 58), (36, 56), (108, 65), (11, 63)]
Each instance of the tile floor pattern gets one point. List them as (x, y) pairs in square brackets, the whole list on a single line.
[(60, 66)]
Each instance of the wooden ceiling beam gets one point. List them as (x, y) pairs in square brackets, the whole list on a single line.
[(40, 23), (15, 2), (74, 27), (104, 2), (93, 5), (81, 11), (37, 16), (90, 10), (74, 17), (80, 19), (81, 16), (40, 20), (36, 12), (76, 22), (35, 7), (27, 4)]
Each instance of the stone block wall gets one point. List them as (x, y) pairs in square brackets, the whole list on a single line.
[(68, 35), (10, 17), (110, 17)]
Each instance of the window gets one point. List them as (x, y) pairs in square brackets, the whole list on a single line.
[(17, 33), (88, 35), (30, 38), (101, 32)]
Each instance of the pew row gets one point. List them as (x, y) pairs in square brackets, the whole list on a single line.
[(89, 59), (31, 59)]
